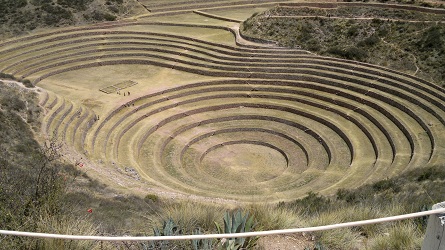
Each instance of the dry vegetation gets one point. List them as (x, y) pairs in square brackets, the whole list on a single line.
[(18, 17), (212, 123), (408, 40)]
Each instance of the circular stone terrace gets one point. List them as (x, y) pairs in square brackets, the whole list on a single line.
[(195, 109)]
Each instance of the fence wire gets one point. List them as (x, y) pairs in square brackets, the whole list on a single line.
[(220, 236)]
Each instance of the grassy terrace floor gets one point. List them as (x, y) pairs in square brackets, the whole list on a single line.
[(215, 116)]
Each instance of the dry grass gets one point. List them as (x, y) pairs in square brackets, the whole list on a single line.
[(190, 216), (67, 225), (394, 235), (401, 236), (271, 217), (343, 238)]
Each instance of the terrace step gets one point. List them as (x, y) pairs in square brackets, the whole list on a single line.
[(67, 121), (328, 123)]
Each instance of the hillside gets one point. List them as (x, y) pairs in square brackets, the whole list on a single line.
[(412, 41), (18, 17), (165, 119), (28, 177), (68, 192)]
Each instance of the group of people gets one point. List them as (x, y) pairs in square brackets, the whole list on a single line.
[(128, 93)]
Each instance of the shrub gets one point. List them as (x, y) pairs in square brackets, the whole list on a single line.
[(100, 16), (27, 83), (56, 15), (401, 236), (353, 31), (113, 9), (7, 76), (355, 53), (151, 197), (313, 203), (343, 238), (75, 4), (384, 185), (13, 103), (369, 41), (426, 4), (431, 39), (63, 224), (270, 217), (351, 53), (109, 17), (433, 173), (346, 195), (190, 215)]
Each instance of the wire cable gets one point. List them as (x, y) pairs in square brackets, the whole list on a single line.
[(236, 235)]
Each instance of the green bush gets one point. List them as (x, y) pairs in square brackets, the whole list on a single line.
[(346, 195), (432, 39), (431, 174), (75, 4), (369, 41), (151, 197), (11, 102), (7, 76), (311, 204), (100, 16), (56, 15), (384, 185), (353, 31), (351, 53), (27, 83)]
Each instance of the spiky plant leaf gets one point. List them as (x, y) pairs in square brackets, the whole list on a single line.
[(218, 227), (234, 223), (227, 223)]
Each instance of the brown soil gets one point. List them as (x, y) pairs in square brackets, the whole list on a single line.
[(286, 242)]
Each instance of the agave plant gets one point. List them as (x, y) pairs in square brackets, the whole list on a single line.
[(237, 223), (169, 228), (201, 244)]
